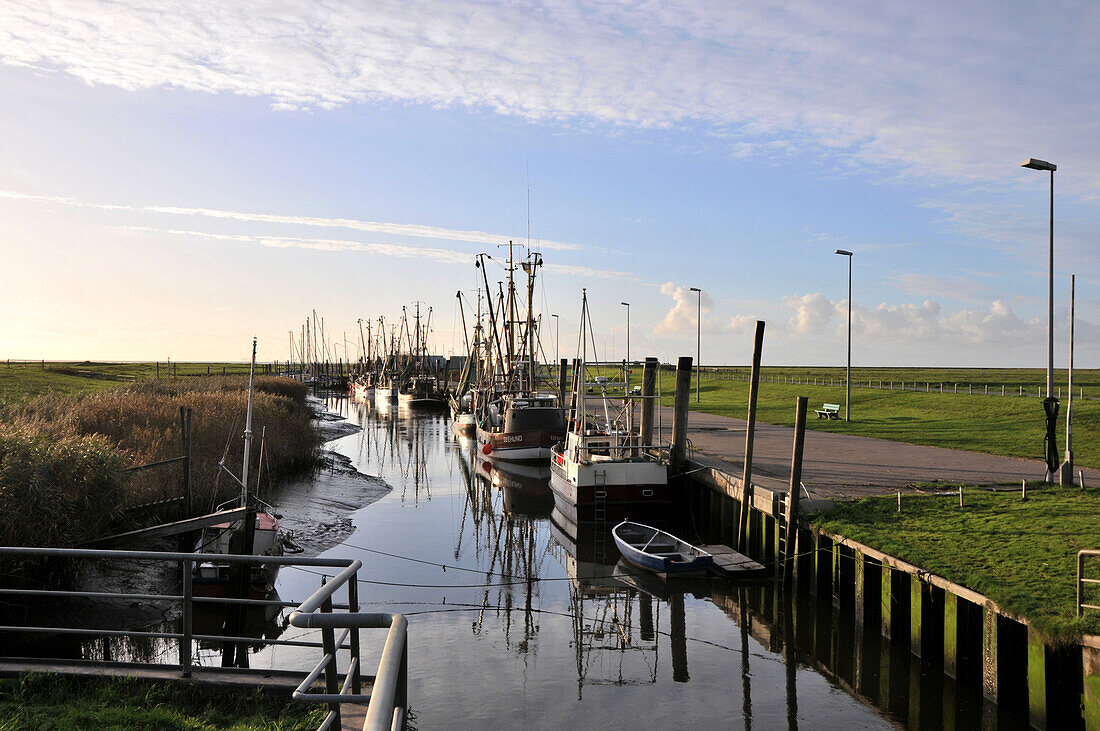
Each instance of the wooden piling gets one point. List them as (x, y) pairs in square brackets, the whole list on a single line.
[(1036, 679), (750, 428), (563, 371), (649, 391), (678, 452), (990, 647), (791, 543)]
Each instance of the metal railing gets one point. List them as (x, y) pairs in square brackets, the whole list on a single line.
[(386, 705), (1082, 581)]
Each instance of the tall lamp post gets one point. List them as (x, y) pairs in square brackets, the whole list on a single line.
[(848, 373), (557, 340), (627, 306), (698, 338), (1050, 403)]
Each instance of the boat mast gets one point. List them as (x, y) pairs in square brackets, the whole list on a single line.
[(535, 260), (248, 429), (510, 316)]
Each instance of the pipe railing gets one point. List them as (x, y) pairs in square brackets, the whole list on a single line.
[(1082, 581), (390, 685)]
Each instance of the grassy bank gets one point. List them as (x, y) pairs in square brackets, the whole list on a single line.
[(1005, 425), (62, 456), (36, 702), (1021, 554), (21, 381)]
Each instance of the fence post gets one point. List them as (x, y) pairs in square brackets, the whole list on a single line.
[(328, 646), (353, 607), (185, 641)]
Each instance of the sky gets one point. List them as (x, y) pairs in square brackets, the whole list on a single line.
[(176, 178)]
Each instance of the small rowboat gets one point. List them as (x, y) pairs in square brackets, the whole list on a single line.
[(657, 550)]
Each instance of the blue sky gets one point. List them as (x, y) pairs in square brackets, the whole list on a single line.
[(178, 177)]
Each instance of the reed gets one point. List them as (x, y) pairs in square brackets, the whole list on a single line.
[(62, 457)]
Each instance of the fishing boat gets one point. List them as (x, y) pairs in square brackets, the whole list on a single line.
[(658, 550), (420, 392), (602, 469), (515, 420), (521, 426), (261, 538)]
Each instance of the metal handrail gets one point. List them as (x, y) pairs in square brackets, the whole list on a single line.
[(387, 704), (1081, 580)]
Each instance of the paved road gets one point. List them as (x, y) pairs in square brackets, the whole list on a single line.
[(840, 465)]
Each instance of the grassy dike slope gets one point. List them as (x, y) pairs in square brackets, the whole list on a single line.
[(1020, 553)]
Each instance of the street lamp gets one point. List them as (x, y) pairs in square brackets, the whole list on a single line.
[(698, 337), (627, 305), (848, 375), (1050, 403), (557, 340)]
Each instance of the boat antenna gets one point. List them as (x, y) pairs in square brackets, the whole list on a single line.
[(248, 428)]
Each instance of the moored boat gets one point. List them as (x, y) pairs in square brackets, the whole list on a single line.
[(420, 392), (521, 427), (602, 469), (261, 538), (657, 550)]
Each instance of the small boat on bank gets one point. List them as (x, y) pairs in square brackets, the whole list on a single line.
[(211, 578), (659, 551)]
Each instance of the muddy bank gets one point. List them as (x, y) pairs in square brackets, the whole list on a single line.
[(317, 510)]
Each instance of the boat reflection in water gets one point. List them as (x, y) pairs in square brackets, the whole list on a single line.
[(525, 486)]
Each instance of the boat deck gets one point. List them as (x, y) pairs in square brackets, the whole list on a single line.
[(729, 562)]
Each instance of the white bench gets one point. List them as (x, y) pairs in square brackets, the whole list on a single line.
[(829, 411)]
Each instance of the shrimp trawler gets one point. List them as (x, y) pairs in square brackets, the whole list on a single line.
[(515, 420), (602, 469)]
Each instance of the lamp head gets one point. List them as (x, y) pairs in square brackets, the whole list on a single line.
[(694, 289), (842, 252), (625, 303), (1035, 164)]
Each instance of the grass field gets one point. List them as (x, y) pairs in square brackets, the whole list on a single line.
[(1021, 554), (1004, 425), (38, 702), (22, 380)]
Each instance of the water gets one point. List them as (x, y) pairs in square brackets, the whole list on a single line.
[(516, 621)]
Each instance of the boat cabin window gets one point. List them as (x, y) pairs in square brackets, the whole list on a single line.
[(535, 419)]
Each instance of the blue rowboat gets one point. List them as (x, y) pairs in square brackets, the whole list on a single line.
[(657, 550)]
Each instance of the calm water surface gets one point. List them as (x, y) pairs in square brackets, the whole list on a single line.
[(517, 620)]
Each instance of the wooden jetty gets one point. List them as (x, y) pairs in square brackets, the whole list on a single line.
[(730, 563)]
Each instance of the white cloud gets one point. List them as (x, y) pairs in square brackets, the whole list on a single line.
[(813, 312), (397, 229), (893, 330), (741, 324), (964, 289), (683, 317), (941, 89)]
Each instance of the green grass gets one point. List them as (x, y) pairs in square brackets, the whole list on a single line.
[(22, 381), (56, 702), (1021, 554), (1009, 425)]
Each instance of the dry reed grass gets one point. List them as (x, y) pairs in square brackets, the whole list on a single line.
[(61, 457)]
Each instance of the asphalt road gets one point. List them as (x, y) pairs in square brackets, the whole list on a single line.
[(839, 465)]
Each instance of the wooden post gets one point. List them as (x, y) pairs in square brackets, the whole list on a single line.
[(185, 437), (790, 547), (649, 391), (746, 478), (678, 452), (563, 370)]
